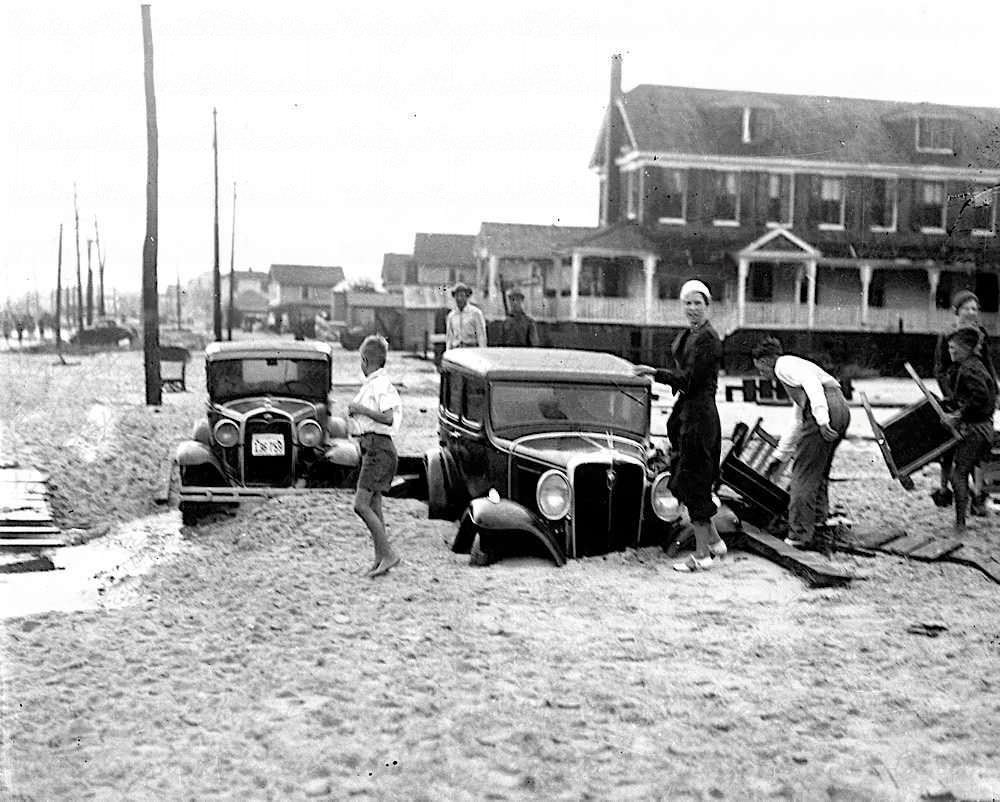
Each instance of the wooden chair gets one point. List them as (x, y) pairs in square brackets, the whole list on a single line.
[(173, 368)]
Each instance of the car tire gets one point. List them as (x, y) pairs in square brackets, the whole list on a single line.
[(439, 503), (478, 556), (192, 512)]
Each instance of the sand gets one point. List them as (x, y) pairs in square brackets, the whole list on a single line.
[(247, 658)]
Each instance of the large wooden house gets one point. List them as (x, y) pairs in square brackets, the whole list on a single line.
[(802, 214)]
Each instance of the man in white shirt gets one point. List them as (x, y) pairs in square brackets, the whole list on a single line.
[(821, 420), (466, 326)]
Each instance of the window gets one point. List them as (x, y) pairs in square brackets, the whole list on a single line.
[(982, 211), (831, 203), (726, 210), (412, 273), (756, 125), (761, 282), (601, 279), (876, 290), (930, 206), (779, 199), (988, 289), (305, 293), (455, 394), (632, 191), (475, 396), (935, 135), (882, 205), (665, 191)]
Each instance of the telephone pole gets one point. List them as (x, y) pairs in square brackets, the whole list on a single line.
[(79, 275), (59, 295), (101, 311), (90, 287), (216, 276), (232, 269), (150, 299)]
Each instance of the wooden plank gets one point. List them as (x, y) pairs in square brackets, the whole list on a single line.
[(24, 516), (34, 542), (936, 549), (22, 475), (989, 566), (879, 438), (163, 486), (817, 571), (13, 531), (873, 538), (904, 545)]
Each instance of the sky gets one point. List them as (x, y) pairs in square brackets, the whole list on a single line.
[(348, 127)]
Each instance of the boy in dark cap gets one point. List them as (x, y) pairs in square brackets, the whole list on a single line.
[(519, 329), (973, 398)]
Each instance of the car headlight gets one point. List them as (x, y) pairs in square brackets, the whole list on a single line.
[(310, 433), (553, 495), (665, 503), (226, 433)]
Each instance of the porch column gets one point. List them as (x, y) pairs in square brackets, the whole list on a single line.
[(574, 283), (866, 283), (649, 264), (492, 270), (741, 293), (933, 279), (811, 289)]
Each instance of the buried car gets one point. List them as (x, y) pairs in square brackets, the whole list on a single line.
[(265, 427), (548, 451)]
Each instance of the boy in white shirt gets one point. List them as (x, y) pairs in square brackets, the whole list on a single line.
[(821, 420), (376, 415)]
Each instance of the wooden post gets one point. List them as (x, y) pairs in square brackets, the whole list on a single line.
[(59, 295), (90, 287), (216, 277), (232, 270), (150, 299), (79, 275), (178, 300), (101, 311)]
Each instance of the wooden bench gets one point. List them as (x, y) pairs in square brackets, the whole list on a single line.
[(173, 368)]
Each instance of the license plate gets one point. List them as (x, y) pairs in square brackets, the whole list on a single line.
[(267, 445)]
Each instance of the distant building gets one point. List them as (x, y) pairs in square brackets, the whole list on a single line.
[(297, 293)]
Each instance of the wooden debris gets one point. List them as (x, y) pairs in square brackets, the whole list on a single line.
[(817, 571), (25, 517)]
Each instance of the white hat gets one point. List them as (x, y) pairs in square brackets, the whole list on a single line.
[(695, 286)]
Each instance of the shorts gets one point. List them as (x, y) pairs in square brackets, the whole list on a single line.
[(378, 462)]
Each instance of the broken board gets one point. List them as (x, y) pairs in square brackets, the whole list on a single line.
[(816, 570), (25, 518)]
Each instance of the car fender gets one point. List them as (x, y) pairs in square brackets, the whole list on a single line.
[(191, 452), (494, 520)]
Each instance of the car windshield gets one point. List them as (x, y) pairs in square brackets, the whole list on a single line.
[(520, 407), (236, 378)]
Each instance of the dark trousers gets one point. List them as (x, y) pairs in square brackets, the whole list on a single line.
[(809, 502), (977, 440)]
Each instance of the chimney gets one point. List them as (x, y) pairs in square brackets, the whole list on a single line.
[(611, 196)]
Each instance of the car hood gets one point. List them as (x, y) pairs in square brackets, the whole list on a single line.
[(560, 449), (290, 406)]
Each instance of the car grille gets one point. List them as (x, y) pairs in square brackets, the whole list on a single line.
[(269, 471), (606, 514)]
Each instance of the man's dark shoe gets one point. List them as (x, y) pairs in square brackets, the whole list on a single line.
[(978, 506), (943, 497)]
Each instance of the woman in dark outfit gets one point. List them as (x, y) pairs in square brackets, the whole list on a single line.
[(965, 304), (693, 427)]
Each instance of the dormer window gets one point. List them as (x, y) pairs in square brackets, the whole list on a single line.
[(756, 125), (935, 135)]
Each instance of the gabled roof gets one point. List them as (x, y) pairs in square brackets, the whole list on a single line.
[(307, 275), (526, 240), (676, 119), (444, 249), (250, 301)]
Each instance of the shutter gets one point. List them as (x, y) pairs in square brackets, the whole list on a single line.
[(813, 199), (853, 203)]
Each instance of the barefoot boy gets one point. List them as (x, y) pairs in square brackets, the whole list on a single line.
[(974, 395), (375, 411)]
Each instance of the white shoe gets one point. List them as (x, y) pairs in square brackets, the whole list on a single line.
[(692, 564), (718, 548)]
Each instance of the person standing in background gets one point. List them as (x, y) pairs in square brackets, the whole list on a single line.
[(466, 326), (519, 329)]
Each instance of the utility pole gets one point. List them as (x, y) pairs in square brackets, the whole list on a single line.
[(79, 275), (150, 299), (90, 287), (216, 276), (232, 269), (178, 300), (101, 311), (59, 296)]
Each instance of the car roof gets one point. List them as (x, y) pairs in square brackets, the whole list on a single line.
[(544, 363), (257, 349)]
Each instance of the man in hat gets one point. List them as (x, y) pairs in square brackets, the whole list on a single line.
[(466, 326), (519, 329)]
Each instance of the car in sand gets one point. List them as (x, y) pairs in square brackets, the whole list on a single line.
[(265, 427), (547, 451)]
